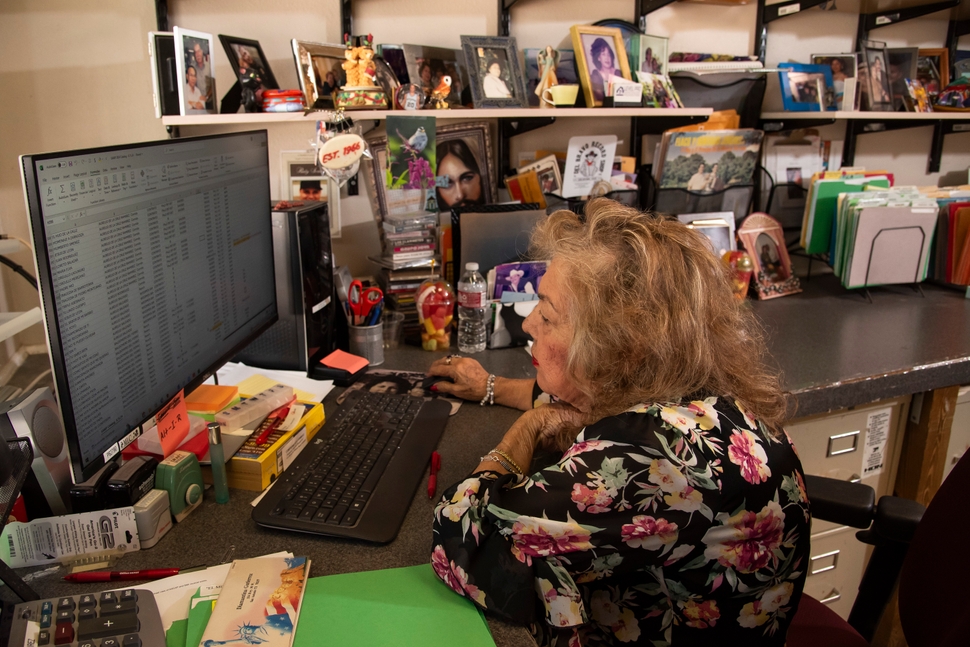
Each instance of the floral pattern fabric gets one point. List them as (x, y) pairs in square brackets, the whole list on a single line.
[(671, 524)]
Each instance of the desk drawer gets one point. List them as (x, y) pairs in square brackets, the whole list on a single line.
[(834, 445), (835, 569)]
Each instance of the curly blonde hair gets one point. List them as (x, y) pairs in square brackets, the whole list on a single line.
[(654, 317)]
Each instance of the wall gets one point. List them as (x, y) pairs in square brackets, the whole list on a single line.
[(80, 75)]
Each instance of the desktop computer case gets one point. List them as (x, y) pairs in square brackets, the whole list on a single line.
[(305, 296)]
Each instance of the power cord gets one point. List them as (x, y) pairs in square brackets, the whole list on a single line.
[(19, 270), (16, 238)]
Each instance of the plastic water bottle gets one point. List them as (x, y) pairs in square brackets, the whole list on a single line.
[(472, 310)]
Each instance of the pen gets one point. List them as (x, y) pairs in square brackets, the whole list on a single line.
[(433, 479), (111, 576)]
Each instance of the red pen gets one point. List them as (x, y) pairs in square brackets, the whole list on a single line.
[(111, 576), (433, 479)]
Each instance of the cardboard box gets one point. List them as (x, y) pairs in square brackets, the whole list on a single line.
[(254, 470)]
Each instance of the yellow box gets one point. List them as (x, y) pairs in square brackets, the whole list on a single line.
[(246, 471)]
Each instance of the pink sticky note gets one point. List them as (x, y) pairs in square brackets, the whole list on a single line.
[(346, 361), (173, 423)]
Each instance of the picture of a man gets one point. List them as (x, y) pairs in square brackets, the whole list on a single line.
[(698, 181), (203, 72), (311, 190), (194, 101)]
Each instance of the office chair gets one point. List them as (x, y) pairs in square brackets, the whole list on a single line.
[(924, 547)]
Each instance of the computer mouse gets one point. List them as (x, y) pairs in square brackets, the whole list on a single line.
[(434, 379)]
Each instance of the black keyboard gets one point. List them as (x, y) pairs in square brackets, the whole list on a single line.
[(358, 480), (127, 618)]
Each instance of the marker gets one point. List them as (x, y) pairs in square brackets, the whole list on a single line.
[(111, 576), (433, 479)]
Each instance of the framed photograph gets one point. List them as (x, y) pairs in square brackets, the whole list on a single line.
[(879, 93), (658, 91), (547, 170), (763, 239), (842, 67), (564, 70), (933, 69), (393, 55), (806, 88), (902, 65), (387, 79), (600, 54), (426, 66), (494, 74), (318, 67), (463, 155), (917, 100), (302, 179), (246, 57), (193, 64), (648, 54)]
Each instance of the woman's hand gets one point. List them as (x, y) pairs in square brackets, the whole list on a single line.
[(468, 377), (557, 425)]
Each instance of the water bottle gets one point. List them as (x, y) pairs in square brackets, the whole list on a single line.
[(472, 310)]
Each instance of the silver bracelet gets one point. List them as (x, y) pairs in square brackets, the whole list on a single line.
[(489, 391), (495, 458)]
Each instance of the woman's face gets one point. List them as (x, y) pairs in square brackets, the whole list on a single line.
[(426, 74), (836, 65), (604, 60), (464, 185), (384, 387), (552, 333), (495, 70)]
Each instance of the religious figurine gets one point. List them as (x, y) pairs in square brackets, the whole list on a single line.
[(548, 59)]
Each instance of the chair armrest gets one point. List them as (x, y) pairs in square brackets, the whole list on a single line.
[(841, 502), (897, 518)]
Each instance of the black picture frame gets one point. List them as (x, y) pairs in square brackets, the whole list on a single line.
[(503, 52), (233, 46)]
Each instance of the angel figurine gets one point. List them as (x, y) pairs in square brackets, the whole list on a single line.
[(548, 59)]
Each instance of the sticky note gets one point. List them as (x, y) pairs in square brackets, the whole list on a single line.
[(346, 361), (210, 398), (173, 423)]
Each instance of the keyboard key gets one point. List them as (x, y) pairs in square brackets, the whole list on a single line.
[(65, 616), (87, 643), (110, 642), (65, 604), (350, 518), (87, 614), (337, 515), (45, 620), (108, 597), (107, 626), (87, 602), (47, 607), (44, 637), (64, 633), (131, 640), (118, 607), (129, 595)]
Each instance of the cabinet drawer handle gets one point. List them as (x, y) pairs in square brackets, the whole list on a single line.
[(832, 597), (835, 561), (847, 450)]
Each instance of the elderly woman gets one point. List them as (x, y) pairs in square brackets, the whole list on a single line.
[(677, 515)]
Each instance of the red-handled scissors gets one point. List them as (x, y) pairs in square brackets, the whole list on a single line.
[(362, 301)]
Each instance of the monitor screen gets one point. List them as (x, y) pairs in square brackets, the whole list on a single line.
[(155, 265)]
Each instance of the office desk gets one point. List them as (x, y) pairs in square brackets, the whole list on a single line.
[(206, 534)]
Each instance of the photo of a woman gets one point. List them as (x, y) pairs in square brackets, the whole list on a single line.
[(457, 163), (494, 66), (602, 60), (601, 55)]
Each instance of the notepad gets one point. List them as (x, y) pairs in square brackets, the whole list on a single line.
[(398, 606), (346, 361)]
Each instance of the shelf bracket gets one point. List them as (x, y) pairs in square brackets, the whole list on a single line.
[(161, 14), (505, 17), (508, 128), (796, 123), (870, 21), (940, 130), (771, 13), (645, 8), (346, 18), (856, 127), (955, 30)]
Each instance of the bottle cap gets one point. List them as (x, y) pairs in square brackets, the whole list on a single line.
[(215, 433), (473, 267)]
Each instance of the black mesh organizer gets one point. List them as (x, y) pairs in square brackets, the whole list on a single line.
[(736, 198), (15, 459)]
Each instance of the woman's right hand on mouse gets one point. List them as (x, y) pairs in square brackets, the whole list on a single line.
[(468, 377)]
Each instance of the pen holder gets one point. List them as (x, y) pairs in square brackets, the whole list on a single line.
[(368, 342)]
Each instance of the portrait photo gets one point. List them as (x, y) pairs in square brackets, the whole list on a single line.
[(495, 77), (193, 63), (879, 93), (410, 97), (427, 66), (320, 71), (302, 178), (764, 240), (600, 56), (842, 67), (650, 54)]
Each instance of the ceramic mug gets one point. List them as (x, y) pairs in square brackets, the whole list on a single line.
[(561, 95)]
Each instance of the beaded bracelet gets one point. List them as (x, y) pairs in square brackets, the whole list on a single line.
[(499, 452), (495, 458), (489, 391)]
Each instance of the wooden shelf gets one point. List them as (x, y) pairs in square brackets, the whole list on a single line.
[(867, 116), (256, 118)]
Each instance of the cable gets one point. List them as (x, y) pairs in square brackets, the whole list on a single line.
[(19, 270), (18, 239)]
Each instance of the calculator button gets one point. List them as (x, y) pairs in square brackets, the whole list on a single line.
[(87, 613), (65, 616), (118, 607), (110, 642), (47, 607), (131, 640), (108, 597), (107, 626), (87, 601), (45, 620), (44, 638), (87, 643), (64, 634), (129, 594), (65, 604)]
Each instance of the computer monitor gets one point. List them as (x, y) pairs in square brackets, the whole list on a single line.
[(155, 266)]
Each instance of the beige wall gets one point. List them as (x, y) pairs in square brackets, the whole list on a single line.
[(76, 74)]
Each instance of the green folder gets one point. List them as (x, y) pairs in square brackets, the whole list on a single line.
[(393, 607), (822, 209)]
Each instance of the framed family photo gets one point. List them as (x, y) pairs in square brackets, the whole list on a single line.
[(427, 65), (494, 74), (842, 67), (193, 64), (246, 56), (933, 69), (648, 54), (318, 68), (463, 157), (806, 88), (600, 55), (763, 238), (879, 91)]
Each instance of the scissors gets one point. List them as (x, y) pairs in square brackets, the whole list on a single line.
[(362, 300)]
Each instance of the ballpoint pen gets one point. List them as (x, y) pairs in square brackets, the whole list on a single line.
[(146, 574), (433, 479)]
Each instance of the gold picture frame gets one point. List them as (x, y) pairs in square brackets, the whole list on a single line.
[(590, 42), (313, 61)]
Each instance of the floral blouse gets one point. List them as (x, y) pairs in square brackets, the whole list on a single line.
[(670, 524)]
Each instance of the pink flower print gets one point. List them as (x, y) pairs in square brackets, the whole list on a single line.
[(533, 537), (591, 501), (747, 540), (667, 476), (686, 500), (705, 413), (748, 454), (647, 532), (678, 418), (454, 576), (701, 616), (586, 446), (562, 609)]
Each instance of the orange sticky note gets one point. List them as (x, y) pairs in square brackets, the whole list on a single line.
[(173, 423), (345, 361)]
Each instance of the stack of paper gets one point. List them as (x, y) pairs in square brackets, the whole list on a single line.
[(953, 239), (821, 206)]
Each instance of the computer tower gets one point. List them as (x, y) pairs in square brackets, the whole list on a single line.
[(305, 296)]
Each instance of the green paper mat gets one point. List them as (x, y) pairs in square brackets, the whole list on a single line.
[(398, 606)]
